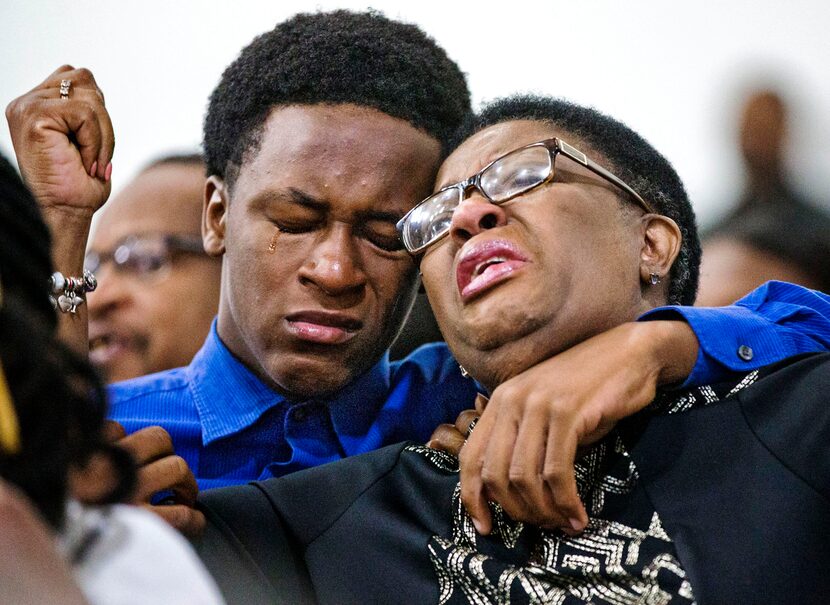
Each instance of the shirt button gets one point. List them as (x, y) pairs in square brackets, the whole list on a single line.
[(745, 353), (299, 414)]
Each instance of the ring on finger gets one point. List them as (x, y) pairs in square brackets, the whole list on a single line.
[(66, 85), (472, 425)]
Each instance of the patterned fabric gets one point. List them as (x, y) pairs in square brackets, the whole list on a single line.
[(623, 557)]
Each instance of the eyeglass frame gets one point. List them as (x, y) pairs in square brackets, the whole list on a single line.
[(188, 244), (554, 146)]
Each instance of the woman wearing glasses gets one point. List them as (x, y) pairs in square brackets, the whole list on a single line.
[(552, 224)]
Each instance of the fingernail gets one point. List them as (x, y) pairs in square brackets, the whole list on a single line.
[(93, 169), (108, 172), (576, 524), (477, 525)]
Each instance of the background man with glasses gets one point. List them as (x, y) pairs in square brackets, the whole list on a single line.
[(148, 255)]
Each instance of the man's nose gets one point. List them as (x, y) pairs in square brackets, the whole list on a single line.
[(474, 215), (334, 266), (113, 291)]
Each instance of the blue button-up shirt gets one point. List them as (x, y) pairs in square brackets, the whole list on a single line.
[(231, 428)]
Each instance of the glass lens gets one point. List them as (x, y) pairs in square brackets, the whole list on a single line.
[(142, 257), (516, 172), (431, 219), (92, 262)]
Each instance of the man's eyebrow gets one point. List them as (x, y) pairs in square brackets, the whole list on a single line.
[(290, 195)]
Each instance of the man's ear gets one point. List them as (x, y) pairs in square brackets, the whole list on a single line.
[(214, 216), (660, 247)]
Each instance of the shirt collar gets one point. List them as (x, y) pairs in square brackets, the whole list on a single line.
[(355, 408), (228, 396)]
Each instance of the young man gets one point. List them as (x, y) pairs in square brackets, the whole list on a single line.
[(319, 137), (685, 500)]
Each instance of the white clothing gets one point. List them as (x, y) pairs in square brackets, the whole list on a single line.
[(125, 556)]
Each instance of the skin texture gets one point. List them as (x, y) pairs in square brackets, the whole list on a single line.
[(315, 283), (586, 269), (137, 328)]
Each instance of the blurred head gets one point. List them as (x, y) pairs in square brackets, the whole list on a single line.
[(763, 131), (318, 138), (57, 399), (783, 243), (158, 290), (513, 283)]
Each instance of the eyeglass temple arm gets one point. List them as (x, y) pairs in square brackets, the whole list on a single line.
[(185, 243), (581, 158)]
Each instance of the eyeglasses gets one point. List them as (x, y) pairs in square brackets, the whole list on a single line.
[(501, 180), (146, 257)]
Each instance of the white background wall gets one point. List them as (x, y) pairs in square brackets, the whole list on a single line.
[(671, 69)]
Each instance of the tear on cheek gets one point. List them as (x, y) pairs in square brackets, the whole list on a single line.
[(272, 245)]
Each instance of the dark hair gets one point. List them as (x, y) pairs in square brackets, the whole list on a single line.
[(24, 246), (58, 398), (337, 57), (629, 156)]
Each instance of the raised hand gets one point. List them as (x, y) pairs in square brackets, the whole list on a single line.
[(63, 140), (522, 451), (64, 144)]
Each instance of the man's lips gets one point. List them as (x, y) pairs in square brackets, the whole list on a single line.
[(485, 264), (105, 347), (323, 327)]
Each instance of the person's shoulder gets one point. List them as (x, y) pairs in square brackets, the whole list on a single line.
[(433, 388), (149, 386), (433, 362)]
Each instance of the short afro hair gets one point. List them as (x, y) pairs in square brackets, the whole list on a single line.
[(336, 57), (630, 157)]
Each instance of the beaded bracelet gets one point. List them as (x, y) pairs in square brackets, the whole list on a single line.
[(70, 290)]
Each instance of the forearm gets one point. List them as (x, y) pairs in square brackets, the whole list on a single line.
[(674, 349), (70, 230)]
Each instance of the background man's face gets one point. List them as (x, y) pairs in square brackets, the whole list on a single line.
[(315, 281), (557, 264), (138, 327)]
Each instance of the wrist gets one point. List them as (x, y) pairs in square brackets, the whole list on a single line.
[(69, 228), (672, 349), (66, 217)]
